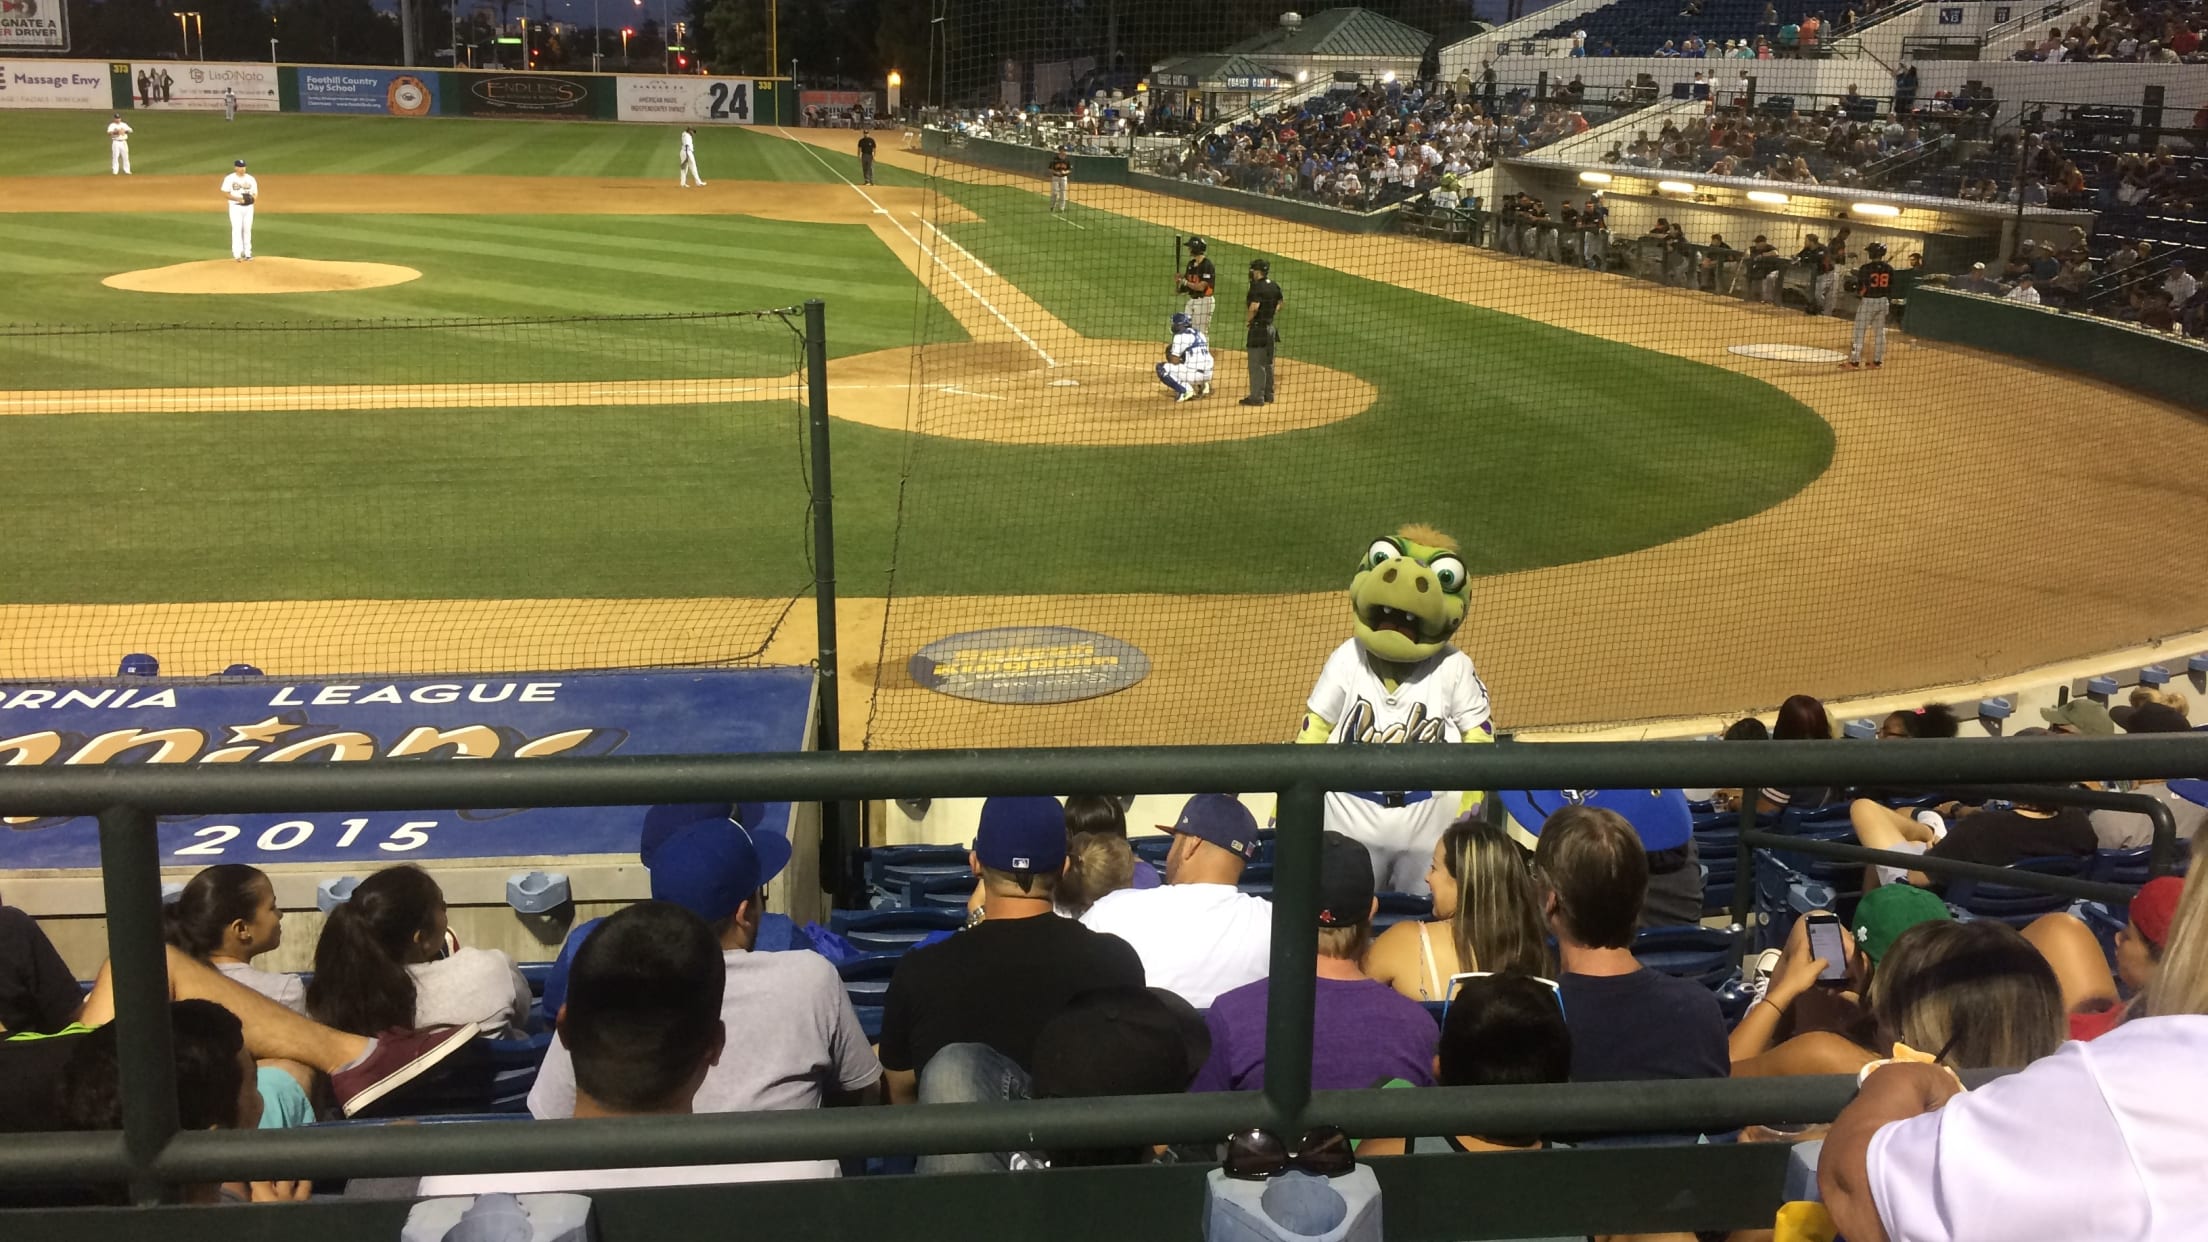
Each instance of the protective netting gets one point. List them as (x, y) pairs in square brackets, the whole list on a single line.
[(1675, 496), (402, 496)]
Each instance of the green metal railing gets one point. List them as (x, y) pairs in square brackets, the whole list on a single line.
[(1718, 1186)]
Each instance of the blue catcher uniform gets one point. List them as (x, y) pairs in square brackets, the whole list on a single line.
[(1187, 366)]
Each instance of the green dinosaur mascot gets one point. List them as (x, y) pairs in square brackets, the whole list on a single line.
[(1399, 680)]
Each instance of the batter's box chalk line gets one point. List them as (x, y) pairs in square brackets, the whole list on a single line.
[(1065, 383), (1788, 353)]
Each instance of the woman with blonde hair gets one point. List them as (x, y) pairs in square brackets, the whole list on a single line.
[(1485, 895), (1097, 863)]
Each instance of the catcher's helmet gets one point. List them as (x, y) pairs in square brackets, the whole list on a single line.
[(1261, 266), (1195, 245), (1875, 250), (1182, 323)]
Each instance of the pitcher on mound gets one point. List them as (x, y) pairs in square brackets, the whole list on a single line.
[(1399, 680)]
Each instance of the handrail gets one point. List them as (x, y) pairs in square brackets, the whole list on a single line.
[(150, 1152)]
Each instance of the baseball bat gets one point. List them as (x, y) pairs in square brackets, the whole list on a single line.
[(1176, 263)]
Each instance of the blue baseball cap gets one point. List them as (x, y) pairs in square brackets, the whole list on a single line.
[(1022, 834), (1660, 816), (1221, 820), (703, 858), (138, 664)]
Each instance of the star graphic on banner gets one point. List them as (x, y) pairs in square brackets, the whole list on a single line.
[(266, 731)]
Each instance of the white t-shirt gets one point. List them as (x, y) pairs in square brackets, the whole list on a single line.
[(1195, 940), (240, 183), (290, 991), (1193, 349), (619, 1179), (473, 985), (792, 1037), (2101, 1142), (2023, 293), (118, 131), (1441, 699)]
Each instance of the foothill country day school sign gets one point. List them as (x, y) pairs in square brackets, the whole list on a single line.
[(272, 720)]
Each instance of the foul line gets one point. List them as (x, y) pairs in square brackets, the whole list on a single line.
[(952, 242), (1060, 217), (922, 247)]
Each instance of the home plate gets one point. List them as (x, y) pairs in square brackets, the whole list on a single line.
[(1788, 353), (1063, 383)]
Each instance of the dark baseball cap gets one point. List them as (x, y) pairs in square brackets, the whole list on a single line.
[(1022, 834), (2150, 718), (709, 866), (1120, 1041), (237, 163), (1346, 885), (1221, 820)]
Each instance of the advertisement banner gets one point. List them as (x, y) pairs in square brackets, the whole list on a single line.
[(40, 25), (326, 721), (54, 84), (529, 94), (727, 101), (373, 92), (192, 86)]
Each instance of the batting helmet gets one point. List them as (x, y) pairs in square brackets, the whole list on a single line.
[(1195, 245), (1875, 250), (1182, 323), (1261, 267)]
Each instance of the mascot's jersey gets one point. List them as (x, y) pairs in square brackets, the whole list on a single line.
[(1441, 699)]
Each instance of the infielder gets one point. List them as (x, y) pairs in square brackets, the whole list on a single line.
[(118, 147), (1187, 366), (1873, 284), (688, 161), (229, 104), (241, 189), (1061, 168), (1199, 279)]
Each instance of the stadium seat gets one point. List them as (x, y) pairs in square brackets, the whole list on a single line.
[(1706, 955), (2012, 905), (514, 1064), (866, 979), (874, 861), (892, 930)]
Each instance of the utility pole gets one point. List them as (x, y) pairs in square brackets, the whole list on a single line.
[(406, 32)]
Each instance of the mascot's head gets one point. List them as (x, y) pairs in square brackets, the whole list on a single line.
[(1409, 595)]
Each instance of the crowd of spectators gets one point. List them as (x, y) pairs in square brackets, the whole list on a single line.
[(673, 1005), (1849, 141), (1381, 145), (2154, 32)]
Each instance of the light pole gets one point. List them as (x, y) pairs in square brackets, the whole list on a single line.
[(597, 40), (626, 31), (666, 41)]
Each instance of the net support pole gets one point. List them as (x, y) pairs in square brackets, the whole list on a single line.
[(130, 880), (1744, 866), (1294, 978), (839, 819)]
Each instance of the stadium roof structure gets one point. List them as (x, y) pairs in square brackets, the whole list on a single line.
[(1219, 72), (1345, 33)]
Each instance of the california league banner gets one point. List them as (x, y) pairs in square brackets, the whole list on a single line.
[(193, 86), (273, 720), (684, 100)]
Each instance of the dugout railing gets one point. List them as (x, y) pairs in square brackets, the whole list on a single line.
[(1589, 1189)]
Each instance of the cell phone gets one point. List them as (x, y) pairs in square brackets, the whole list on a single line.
[(1826, 945)]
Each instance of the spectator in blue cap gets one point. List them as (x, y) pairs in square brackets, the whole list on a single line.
[(960, 1018), (1659, 817), (1198, 935), (788, 1013)]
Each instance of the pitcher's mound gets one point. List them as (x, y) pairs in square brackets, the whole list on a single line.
[(270, 275)]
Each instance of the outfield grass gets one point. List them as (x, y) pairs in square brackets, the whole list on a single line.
[(34, 143), (1535, 445)]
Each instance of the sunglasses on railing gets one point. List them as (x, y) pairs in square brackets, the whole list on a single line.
[(1449, 996), (1255, 1155)]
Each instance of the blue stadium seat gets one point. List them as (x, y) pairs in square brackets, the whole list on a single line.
[(2012, 905), (892, 930), (1705, 954), (514, 1064), (2121, 866), (874, 861), (866, 979)]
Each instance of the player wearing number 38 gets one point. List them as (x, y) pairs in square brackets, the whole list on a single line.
[(388, 958)]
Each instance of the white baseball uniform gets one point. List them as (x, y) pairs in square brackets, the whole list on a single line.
[(1194, 368), (118, 148), (242, 191), (689, 162), (1441, 699), (229, 104)]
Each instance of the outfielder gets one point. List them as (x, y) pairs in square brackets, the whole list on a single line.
[(1873, 284), (118, 147), (688, 161), (1187, 366), (1061, 168), (229, 104), (1199, 280), (241, 189)]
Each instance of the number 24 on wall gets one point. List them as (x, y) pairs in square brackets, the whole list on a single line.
[(728, 102), (293, 833)]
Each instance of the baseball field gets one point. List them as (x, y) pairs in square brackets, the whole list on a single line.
[(1662, 526)]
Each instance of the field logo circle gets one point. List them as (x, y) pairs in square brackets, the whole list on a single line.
[(1028, 664), (408, 96)]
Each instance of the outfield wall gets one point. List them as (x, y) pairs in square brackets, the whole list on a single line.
[(2150, 362), (370, 90)]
